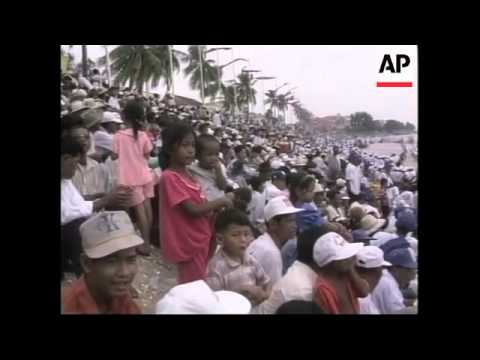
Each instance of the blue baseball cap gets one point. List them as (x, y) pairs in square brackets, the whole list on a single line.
[(407, 220), (361, 235), (401, 257)]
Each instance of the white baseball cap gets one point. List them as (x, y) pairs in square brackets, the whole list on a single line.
[(333, 247), (279, 205), (371, 257), (198, 298), (109, 116), (108, 232)]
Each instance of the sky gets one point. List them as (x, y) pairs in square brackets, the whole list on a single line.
[(327, 79)]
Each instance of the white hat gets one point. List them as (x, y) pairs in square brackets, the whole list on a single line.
[(279, 205), (108, 232), (370, 257), (333, 247), (109, 116), (318, 188), (77, 105), (276, 164), (341, 182), (197, 298)]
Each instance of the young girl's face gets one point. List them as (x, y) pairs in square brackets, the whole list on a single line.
[(208, 158), (184, 151)]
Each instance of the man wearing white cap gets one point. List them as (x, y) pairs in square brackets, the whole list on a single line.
[(109, 262), (281, 226), (370, 264), (338, 286), (103, 137)]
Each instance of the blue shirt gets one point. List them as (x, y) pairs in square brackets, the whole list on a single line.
[(309, 217), (398, 243)]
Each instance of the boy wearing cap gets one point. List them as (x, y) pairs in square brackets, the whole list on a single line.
[(281, 226), (338, 286), (387, 295), (109, 263), (369, 264), (232, 268)]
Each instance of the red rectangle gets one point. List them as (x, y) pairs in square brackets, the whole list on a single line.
[(394, 84)]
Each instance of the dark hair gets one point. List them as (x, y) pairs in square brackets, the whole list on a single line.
[(70, 146), (134, 113), (217, 130), (306, 241), (299, 307), (331, 194), (255, 182), (201, 141), (173, 135), (203, 126), (229, 217), (383, 181), (257, 149), (244, 194), (70, 122), (239, 148), (298, 181)]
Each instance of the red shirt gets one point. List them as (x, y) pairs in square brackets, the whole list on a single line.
[(326, 297), (78, 300), (181, 235)]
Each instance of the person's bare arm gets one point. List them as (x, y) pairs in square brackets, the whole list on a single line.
[(221, 181), (114, 156), (200, 210)]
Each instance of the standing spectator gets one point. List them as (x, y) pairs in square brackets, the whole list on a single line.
[(236, 169), (281, 226), (185, 214), (257, 204), (334, 164), (208, 171), (132, 147), (109, 262), (353, 175), (217, 120), (113, 100)]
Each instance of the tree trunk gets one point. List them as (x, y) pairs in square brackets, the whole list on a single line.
[(84, 60)]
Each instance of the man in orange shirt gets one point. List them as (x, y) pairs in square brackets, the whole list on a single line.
[(109, 261)]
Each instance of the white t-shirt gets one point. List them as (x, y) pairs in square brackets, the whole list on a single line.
[(296, 284), (266, 252), (207, 181), (271, 191), (73, 206), (367, 307), (217, 120), (354, 175), (387, 296), (256, 207), (113, 102)]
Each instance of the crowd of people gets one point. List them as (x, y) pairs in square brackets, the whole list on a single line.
[(258, 217)]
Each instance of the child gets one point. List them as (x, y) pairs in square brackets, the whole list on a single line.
[(132, 147), (232, 268), (185, 213), (208, 170)]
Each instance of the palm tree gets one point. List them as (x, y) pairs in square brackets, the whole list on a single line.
[(84, 61), (246, 93), (283, 101), (212, 73), (272, 99), (140, 64), (229, 93)]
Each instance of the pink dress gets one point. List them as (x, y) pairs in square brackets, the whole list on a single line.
[(182, 237), (133, 167)]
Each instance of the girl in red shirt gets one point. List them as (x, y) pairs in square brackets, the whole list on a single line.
[(185, 214)]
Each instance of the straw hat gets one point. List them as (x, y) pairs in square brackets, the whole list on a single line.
[(371, 224)]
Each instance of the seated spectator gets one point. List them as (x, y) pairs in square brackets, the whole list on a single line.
[(338, 286), (109, 263), (370, 264), (387, 295), (74, 208), (208, 169), (298, 282), (406, 223), (281, 226), (231, 268), (299, 307), (277, 186), (197, 298), (242, 197), (236, 169)]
